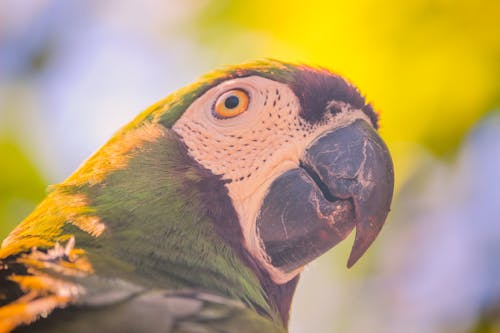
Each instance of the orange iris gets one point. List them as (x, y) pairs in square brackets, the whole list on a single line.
[(231, 103)]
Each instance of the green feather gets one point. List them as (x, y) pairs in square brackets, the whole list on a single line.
[(158, 224)]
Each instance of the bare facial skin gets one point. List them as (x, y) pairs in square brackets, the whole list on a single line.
[(253, 148)]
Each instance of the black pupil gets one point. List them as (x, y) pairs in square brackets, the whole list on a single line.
[(231, 102)]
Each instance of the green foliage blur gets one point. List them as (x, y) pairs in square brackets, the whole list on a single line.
[(21, 185)]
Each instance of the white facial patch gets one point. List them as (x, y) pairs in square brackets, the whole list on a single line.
[(254, 148)]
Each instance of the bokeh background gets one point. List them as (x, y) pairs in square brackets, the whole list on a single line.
[(72, 72)]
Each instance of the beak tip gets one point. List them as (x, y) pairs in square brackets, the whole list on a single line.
[(351, 262), (366, 233), (356, 254)]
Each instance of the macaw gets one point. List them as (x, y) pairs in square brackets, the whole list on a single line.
[(200, 214)]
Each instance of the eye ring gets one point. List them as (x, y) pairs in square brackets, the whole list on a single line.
[(231, 104)]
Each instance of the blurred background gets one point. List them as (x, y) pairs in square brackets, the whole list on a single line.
[(72, 72)]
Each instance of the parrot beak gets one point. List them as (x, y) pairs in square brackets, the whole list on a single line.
[(345, 181)]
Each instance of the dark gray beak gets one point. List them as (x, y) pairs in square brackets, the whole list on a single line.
[(345, 180)]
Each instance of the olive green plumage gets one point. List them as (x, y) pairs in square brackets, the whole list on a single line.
[(143, 206)]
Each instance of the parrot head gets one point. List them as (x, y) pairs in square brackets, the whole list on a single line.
[(298, 150), (231, 186)]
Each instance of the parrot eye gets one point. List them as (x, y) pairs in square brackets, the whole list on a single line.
[(231, 103)]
